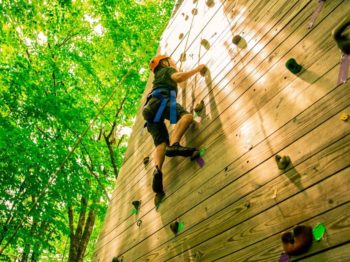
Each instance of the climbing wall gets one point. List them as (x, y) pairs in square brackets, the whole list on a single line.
[(238, 204)]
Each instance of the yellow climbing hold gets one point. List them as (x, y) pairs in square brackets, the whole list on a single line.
[(344, 117)]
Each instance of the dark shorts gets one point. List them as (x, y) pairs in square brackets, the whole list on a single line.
[(158, 130)]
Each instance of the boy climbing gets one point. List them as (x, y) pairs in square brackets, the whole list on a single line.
[(160, 105)]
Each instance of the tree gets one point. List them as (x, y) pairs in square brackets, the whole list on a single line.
[(59, 62)]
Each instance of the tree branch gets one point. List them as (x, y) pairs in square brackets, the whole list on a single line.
[(111, 154), (28, 56), (81, 222), (71, 222), (89, 225), (117, 114), (69, 37), (91, 170), (54, 79)]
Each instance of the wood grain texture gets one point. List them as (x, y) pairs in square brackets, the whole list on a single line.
[(337, 254), (254, 109), (337, 222)]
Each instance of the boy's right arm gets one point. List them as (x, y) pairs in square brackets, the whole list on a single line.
[(183, 76)]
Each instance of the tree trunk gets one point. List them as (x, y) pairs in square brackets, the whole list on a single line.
[(86, 235), (80, 239), (29, 244), (73, 241), (25, 253)]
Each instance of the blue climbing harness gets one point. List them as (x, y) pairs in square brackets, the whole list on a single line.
[(163, 102)]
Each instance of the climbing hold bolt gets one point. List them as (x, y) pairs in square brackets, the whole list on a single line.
[(274, 193), (139, 222), (293, 66), (282, 162)]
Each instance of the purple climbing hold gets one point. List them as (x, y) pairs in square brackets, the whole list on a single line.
[(316, 13), (344, 68), (284, 258), (200, 161)]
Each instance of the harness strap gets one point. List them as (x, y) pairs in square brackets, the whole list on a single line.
[(161, 108), (172, 107), (164, 101)]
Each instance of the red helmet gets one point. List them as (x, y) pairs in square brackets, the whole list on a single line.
[(155, 61)]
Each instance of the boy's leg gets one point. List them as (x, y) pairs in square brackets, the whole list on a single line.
[(180, 128), (161, 140), (175, 149), (159, 155)]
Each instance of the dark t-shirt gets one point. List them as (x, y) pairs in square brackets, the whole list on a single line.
[(163, 78)]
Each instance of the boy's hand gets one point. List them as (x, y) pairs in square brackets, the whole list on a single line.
[(202, 69), (183, 76)]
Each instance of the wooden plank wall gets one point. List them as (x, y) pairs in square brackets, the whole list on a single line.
[(237, 205)]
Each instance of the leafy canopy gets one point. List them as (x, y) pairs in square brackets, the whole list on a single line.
[(59, 62)]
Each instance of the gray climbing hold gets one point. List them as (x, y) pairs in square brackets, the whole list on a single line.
[(282, 162), (205, 44), (210, 3), (236, 39)]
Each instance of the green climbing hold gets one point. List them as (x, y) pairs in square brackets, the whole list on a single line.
[(202, 151), (180, 226), (293, 66), (195, 114), (177, 227), (134, 211), (318, 231), (136, 208)]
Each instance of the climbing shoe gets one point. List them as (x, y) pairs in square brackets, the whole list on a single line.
[(157, 183), (177, 150)]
